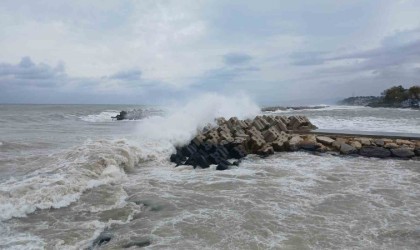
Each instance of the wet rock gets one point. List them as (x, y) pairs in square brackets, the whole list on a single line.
[(364, 141), (356, 144), (391, 145), (406, 142), (101, 240), (372, 151), (417, 151), (337, 144), (325, 140), (256, 143), (323, 148), (238, 152), (266, 150), (278, 146), (308, 145), (379, 142), (293, 144), (236, 163), (402, 152), (223, 165), (346, 149)]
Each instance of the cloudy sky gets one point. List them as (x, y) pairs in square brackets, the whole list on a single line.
[(277, 51)]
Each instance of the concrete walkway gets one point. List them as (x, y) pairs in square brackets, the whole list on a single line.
[(371, 134)]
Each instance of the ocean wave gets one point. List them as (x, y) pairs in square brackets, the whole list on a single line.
[(104, 116), (72, 173), (369, 123)]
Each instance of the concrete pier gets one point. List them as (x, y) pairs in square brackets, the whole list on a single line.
[(371, 134)]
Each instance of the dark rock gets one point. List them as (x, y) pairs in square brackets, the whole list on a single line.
[(121, 116), (238, 153), (215, 158), (347, 149), (223, 152), (189, 150), (138, 243), (223, 165), (308, 145), (379, 142), (175, 158), (417, 151), (102, 239), (402, 152), (202, 161), (371, 151), (236, 163), (208, 147), (265, 151)]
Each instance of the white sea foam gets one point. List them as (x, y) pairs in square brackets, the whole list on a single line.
[(73, 172), (183, 120), (14, 240), (104, 116), (367, 124)]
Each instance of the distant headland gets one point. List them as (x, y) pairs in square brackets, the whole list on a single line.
[(394, 97)]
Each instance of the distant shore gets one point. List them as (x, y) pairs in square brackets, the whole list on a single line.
[(394, 97), (285, 108)]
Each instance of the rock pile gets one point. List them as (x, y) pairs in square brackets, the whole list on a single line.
[(234, 139), (136, 114), (264, 135)]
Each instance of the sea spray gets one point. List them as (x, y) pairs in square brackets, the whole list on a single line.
[(182, 121)]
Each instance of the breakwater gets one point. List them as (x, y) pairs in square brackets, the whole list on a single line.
[(265, 135)]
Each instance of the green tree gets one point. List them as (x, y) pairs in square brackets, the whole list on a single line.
[(395, 94), (414, 92)]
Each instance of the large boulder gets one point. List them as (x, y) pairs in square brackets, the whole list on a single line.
[(402, 152), (356, 144), (417, 151), (309, 145), (325, 140), (293, 144), (391, 145), (379, 142), (346, 149), (372, 151)]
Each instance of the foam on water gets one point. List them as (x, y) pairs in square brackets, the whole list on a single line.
[(104, 116), (294, 200), (69, 174), (288, 200)]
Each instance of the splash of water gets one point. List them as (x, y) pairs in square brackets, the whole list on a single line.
[(184, 119)]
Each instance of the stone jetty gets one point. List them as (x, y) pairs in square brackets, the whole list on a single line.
[(231, 140), (137, 114)]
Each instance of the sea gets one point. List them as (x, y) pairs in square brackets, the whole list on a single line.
[(71, 177)]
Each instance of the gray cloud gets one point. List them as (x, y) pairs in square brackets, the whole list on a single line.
[(308, 58), (140, 50), (128, 75), (236, 58), (28, 73)]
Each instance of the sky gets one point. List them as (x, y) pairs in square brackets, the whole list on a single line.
[(152, 52)]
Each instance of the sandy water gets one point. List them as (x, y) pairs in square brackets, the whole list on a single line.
[(70, 174)]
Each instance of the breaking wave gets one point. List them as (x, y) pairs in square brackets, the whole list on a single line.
[(68, 174)]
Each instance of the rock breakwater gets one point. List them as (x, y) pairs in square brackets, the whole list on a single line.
[(231, 140)]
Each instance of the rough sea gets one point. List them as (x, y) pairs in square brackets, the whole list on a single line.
[(72, 178)]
